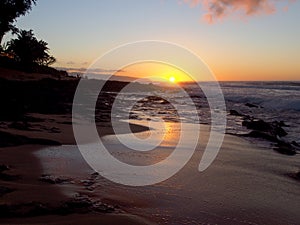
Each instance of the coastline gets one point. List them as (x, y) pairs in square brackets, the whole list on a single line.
[(245, 185), (24, 192)]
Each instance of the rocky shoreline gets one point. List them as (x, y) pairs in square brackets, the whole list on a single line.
[(81, 204), (36, 113), (271, 131)]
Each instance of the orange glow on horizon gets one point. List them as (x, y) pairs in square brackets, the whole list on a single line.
[(155, 71), (222, 72)]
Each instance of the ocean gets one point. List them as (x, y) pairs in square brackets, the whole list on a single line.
[(275, 101), (267, 101), (245, 184)]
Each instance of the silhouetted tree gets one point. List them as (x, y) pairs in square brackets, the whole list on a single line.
[(10, 10), (27, 50)]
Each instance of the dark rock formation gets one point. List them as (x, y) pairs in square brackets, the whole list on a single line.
[(23, 210), (251, 105), (50, 96), (8, 139), (295, 175), (260, 134), (273, 129), (295, 144), (54, 179), (235, 113), (154, 99), (5, 190), (84, 204), (78, 204), (7, 177), (90, 184), (3, 168)]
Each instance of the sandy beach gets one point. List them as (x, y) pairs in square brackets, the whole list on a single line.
[(45, 180), (149, 112), (245, 185), (23, 190)]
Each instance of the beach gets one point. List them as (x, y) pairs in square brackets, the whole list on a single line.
[(244, 185), (28, 199), (149, 112), (45, 179)]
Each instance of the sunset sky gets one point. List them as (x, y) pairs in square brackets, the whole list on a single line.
[(238, 41)]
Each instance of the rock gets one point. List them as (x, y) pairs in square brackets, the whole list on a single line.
[(285, 148), (271, 131), (282, 124), (8, 139), (54, 130), (87, 183), (20, 125), (259, 134), (154, 99), (102, 207), (8, 177), (5, 190), (254, 124), (235, 113), (90, 188), (251, 105), (78, 204), (23, 210), (196, 96), (295, 144), (3, 168), (90, 183), (95, 174), (295, 175), (55, 180), (133, 116), (272, 128), (84, 204), (277, 126)]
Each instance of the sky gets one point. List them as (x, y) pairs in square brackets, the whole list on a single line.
[(237, 39)]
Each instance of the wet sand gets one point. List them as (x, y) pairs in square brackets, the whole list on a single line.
[(244, 185), (23, 191)]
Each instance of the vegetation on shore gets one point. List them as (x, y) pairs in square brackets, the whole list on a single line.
[(25, 52), (10, 10)]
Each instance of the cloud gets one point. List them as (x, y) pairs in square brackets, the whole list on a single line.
[(74, 63), (90, 71), (219, 9), (70, 63)]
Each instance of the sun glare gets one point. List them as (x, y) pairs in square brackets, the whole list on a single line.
[(156, 71), (172, 79)]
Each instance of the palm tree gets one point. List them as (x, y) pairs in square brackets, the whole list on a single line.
[(28, 51), (10, 10)]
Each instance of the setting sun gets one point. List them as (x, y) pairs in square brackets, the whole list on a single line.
[(172, 79), (156, 71)]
